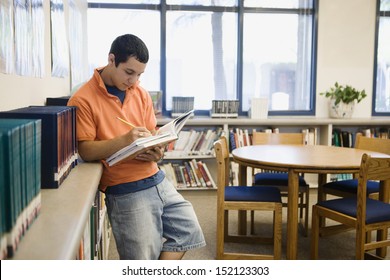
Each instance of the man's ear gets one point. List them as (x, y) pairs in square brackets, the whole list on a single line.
[(111, 59)]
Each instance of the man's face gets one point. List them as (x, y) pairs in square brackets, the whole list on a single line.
[(127, 73)]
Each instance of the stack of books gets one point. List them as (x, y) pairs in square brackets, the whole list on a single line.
[(181, 104), (225, 108), (20, 180), (59, 146)]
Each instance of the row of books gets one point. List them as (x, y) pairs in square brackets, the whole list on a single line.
[(181, 104), (193, 142), (344, 138), (378, 132), (341, 138), (189, 174), (93, 243), (239, 138), (20, 180), (225, 108), (59, 145)]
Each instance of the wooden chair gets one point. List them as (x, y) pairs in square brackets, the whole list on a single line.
[(359, 212), (243, 198), (281, 179), (346, 188)]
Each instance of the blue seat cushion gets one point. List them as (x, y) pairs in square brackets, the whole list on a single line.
[(351, 185), (275, 179), (244, 193), (376, 211)]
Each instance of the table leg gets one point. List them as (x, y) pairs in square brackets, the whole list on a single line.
[(321, 182), (242, 214), (292, 215)]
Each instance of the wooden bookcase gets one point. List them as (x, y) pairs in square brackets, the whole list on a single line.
[(323, 126), (66, 212), (65, 218)]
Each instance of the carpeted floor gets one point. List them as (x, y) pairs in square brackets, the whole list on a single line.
[(337, 247)]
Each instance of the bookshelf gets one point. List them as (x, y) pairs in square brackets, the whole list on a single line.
[(65, 212), (194, 148), (324, 128)]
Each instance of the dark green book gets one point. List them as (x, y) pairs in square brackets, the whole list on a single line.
[(20, 157)]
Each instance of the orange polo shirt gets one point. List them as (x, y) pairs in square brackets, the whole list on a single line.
[(97, 112)]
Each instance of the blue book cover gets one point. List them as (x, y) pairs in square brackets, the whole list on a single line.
[(232, 141), (59, 148)]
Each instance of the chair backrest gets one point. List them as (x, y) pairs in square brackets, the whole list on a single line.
[(379, 145), (262, 138), (371, 168), (222, 157)]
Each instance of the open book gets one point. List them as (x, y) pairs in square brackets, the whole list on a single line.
[(165, 134)]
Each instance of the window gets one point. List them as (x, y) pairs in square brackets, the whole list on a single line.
[(201, 56), (217, 49), (381, 96), (277, 64), (104, 25)]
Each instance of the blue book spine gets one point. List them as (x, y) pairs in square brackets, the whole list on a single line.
[(232, 141)]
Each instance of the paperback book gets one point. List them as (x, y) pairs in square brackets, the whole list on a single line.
[(166, 134)]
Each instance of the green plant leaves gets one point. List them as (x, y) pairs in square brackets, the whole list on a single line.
[(346, 94)]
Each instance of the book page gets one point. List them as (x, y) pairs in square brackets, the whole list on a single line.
[(175, 125), (131, 151), (164, 135)]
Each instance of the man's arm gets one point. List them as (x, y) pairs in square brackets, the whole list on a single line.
[(91, 150)]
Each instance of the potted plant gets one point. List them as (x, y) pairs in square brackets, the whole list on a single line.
[(343, 99)]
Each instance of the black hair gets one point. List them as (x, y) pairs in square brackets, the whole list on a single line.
[(129, 45)]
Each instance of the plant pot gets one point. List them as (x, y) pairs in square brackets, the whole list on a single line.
[(341, 110)]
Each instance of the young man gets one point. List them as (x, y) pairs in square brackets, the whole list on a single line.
[(149, 218)]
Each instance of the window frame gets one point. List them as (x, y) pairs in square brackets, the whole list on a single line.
[(163, 7), (379, 14)]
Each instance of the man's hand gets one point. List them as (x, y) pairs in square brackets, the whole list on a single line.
[(97, 150), (155, 154), (137, 132)]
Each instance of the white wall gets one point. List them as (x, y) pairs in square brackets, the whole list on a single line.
[(345, 54), (18, 91), (346, 34)]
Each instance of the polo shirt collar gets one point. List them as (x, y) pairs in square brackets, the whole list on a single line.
[(101, 84)]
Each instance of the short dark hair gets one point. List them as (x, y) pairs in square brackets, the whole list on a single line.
[(129, 45)]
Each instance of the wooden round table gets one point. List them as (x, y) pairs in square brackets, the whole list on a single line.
[(295, 159)]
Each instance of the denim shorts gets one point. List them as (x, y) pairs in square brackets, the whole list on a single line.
[(153, 220)]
